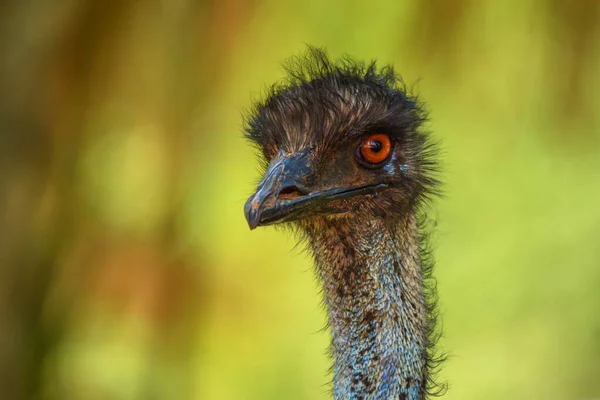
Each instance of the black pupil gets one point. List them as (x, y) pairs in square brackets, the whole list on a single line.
[(375, 146)]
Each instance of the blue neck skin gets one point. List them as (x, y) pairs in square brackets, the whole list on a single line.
[(374, 296)]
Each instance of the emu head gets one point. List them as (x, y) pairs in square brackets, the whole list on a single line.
[(338, 140)]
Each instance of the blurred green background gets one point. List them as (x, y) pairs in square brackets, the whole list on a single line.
[(127, 270)]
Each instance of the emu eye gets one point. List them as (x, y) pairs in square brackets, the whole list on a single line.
[(376, 148)]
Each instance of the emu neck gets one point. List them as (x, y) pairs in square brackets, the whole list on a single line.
[(377, 314)]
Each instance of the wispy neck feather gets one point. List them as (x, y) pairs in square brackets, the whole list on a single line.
[(373, 288)]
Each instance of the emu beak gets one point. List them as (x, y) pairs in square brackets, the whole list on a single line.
[(283, 195)]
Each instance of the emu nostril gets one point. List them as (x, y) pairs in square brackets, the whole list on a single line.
[(290, 192)]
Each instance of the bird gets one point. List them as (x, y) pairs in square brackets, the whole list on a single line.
[(349, 165)]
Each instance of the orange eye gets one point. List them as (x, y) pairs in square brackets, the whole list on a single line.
[(376, 148)]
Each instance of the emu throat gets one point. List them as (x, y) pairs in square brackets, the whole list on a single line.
[(371, 273)]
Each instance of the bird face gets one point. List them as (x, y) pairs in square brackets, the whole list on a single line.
[(338, 141), (304, 183)]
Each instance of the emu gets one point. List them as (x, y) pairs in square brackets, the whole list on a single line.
[(349, 167)]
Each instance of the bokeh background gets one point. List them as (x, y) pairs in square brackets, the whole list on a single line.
[(127, 270)]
